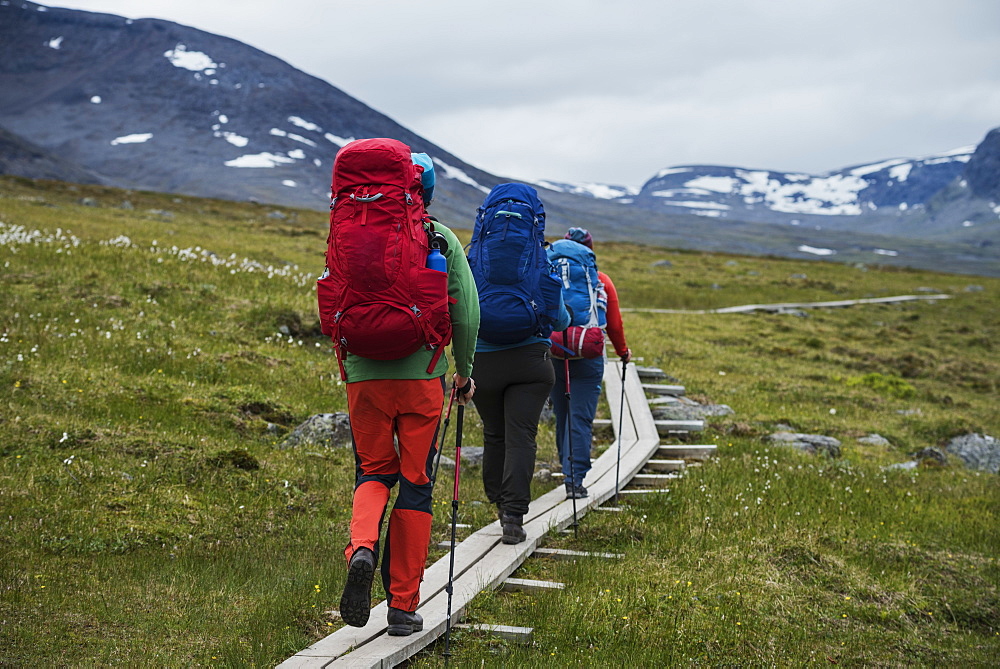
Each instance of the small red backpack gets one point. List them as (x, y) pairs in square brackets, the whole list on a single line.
[(377, 298)]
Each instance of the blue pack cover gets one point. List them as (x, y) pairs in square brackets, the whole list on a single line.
[(583, 291), (518, 292)]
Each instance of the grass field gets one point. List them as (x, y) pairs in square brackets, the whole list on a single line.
[(154, 349)]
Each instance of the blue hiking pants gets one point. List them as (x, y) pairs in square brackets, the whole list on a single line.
[(585, 378)]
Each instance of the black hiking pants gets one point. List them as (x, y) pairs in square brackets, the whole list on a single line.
[(511, 388)]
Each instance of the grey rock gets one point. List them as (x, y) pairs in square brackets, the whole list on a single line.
[(977, 451), (323, 430), (874, 440), (690, 411), (798, 276), (446, 462), (163, 214), (89, 202), (810, 443), (973, 289), (127, 205), (543, 475), (472, 455), (932, 456), (663, 263)]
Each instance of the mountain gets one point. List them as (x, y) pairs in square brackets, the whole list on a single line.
[(153, 105), (21, 157)]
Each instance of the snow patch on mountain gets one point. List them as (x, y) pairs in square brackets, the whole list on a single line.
[(259, 160), (594, 190), (195, 61), (804, 248), (304, 124), (55, 43), (455, 173), (277, 132), (137, 138)]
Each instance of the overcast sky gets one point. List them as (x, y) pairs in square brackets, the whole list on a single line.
[(612, 92)]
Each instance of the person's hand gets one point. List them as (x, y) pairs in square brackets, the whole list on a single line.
[(465, 388), (627, 356)]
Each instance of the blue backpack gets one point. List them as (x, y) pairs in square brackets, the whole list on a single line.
[(583, 292), (518, 293)]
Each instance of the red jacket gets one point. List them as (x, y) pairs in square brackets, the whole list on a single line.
[(616, 332)]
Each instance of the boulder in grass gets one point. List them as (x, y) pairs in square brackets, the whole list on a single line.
[(688, 409), (322, 430), (874, 440), (810, 443), (472, 456), (977, 451)]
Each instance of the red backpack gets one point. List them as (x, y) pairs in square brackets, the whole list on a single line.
[(377, 299)]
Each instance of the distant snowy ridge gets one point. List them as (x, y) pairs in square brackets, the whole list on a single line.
[(729, 192), (594, 190)]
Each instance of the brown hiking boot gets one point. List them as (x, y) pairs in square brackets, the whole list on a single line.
[(356, 602)]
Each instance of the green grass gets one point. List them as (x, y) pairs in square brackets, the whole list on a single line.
[(147, 516)]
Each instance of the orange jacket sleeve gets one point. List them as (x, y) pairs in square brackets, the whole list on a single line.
[(616, 331)]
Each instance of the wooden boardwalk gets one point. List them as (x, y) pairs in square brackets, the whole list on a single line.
[(792, 306), (482, 562)]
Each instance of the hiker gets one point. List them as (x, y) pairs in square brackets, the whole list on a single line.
[(380, 234), (594, 302), (521, 304)]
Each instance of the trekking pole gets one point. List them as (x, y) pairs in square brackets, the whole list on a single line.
[(621, 422), (569, 449), (444, 435), (454, 525)]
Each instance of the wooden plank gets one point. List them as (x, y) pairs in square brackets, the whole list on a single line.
[(650, 372), (662, 389), (652, 479), (613, 509), (747, 308), (519, 634), (692, 452), (530, 585), (645, 491), (665, 399), (665, 427), (563, 554), (664, 466)]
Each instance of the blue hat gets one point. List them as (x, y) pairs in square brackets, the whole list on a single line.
[(427, 178)]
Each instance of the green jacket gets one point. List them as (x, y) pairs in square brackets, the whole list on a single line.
[(464, 321)]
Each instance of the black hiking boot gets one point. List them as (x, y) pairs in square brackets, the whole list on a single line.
[(513, 530), (403, 623), (356, 602), (575, 491)]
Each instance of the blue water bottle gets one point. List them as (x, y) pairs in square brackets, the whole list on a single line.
[(436, 259)]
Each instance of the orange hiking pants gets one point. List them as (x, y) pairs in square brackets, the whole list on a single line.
[(410, 410)]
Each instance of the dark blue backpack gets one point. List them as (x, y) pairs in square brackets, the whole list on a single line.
[(518, 292)]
